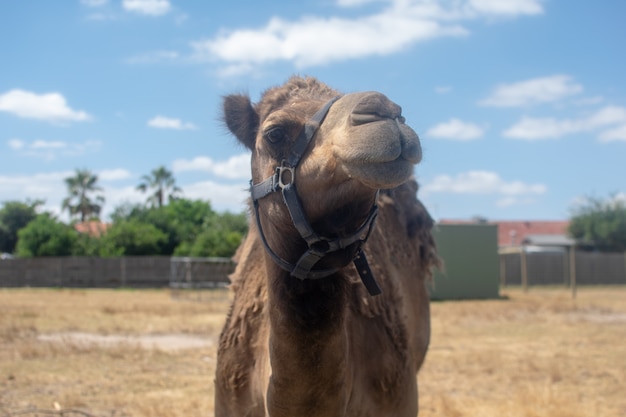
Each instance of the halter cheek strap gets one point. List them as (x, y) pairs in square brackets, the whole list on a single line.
[(283, 179)]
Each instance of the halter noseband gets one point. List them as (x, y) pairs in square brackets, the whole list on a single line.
[(318, 246)]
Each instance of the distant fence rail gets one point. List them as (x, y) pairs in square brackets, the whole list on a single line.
[(127, 271), (198, 273), (553, 268)]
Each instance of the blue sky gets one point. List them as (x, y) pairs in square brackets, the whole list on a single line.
[(520, 104)]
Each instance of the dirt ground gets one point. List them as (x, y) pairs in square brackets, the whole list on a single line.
[(145, 353)]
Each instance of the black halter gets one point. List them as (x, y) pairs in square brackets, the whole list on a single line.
[(318, 246)]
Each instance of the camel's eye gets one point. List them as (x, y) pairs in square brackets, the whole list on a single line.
[(275, 134)]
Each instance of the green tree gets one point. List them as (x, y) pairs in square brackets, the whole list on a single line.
[(155, 216), (45, 236), (220, 235), (162, 183), (212, 242), (132, 237), (15, 215), (188, 217), (190, 227), (88, 246), (600, 223), (79, 187), (181, 220)]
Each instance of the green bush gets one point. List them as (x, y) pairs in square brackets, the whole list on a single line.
[(46, 236), (132, 237), (190, 227), (15, 215), (600, 224)]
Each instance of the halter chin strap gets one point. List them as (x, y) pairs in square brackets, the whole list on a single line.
[(318, 246)]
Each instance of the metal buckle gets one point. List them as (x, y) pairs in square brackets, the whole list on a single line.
[(280, 171)]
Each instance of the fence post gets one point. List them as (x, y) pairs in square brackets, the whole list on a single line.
[(188, 274), (524, 267), (572, 269), (502, 271), (60, 271), (123, 270), (566, 269)]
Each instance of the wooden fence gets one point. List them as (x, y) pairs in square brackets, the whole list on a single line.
[(591, 268), (553, 268), (128, 271)]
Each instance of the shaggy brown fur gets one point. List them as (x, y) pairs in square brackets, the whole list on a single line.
[(326, 347)]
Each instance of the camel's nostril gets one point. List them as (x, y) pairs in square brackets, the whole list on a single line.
[(373, 107), (412, 151), (362, 118)]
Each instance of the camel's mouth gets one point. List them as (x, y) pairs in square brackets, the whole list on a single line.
[(383, 140), (381, 175), (380, 150)]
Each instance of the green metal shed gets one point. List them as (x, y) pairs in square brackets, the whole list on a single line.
[(471, 263)]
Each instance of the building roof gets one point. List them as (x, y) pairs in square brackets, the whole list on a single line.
[(93, 228), (548, 240), (513, 233)]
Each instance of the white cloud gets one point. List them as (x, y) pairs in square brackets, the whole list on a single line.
[(506, 7), (46, 144), (529, 128), (354, 3), (313, 40), (318, 41), (236, 167), (162, 122), (533, 91), (444, 89), (607, 116), (481, 183), (49, 107), (222, 196), (614, 135), (16, 144), (456, 129), (147, 7), (114, 174), (52, 149), (48, 186), (589, 101)]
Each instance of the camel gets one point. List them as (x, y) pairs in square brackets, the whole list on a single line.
[(330, 315)]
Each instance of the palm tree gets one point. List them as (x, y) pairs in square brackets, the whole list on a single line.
[(162, 182), (79, 186)]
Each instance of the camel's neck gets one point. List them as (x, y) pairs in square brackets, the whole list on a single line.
[(307, 346), (308, 343)]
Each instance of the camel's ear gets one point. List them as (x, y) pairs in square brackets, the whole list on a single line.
[(241, 118)]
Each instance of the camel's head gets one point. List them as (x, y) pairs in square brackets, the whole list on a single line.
[(329, 155), (362, 145)]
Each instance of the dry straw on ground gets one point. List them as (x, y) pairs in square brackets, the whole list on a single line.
[(539, 354)]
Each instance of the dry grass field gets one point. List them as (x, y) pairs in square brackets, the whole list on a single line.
[(143, 353)]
